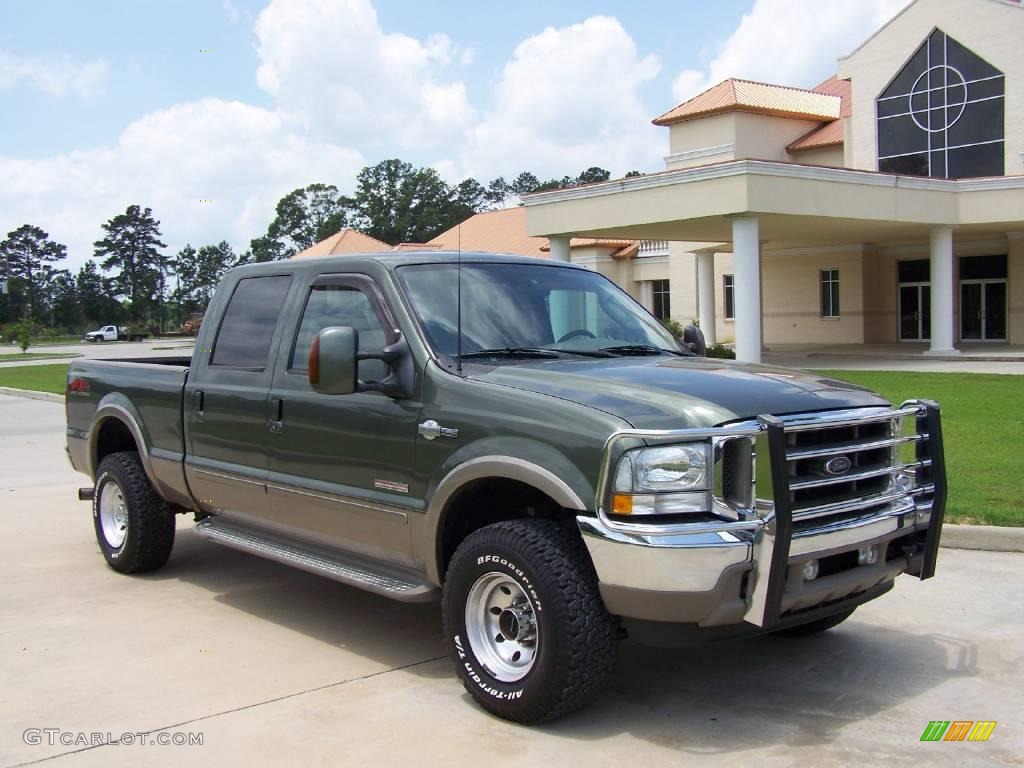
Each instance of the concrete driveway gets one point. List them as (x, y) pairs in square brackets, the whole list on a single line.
[(277, 667)]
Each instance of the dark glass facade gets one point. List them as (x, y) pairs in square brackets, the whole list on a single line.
[(943, 115)]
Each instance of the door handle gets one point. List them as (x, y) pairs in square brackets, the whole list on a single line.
[(197, 403), (276, 415)]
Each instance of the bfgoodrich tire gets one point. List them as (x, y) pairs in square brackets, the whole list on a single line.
[(527, 629), (134, 527), (816, 627)]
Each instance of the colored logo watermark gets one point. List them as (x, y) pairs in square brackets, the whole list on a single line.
[(958, 730)]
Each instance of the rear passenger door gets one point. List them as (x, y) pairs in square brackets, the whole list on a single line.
[(341, 467), (225, 408)]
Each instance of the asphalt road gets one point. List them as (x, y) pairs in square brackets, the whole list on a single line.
[(277, 667)]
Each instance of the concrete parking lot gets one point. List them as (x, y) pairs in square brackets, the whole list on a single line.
[(277, 667)]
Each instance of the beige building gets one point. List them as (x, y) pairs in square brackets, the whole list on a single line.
[(884, 205)]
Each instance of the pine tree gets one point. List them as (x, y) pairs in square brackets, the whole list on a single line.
[(132, 245)]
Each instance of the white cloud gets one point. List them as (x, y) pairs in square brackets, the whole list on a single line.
[(56, 76), (569, 98), (331, 68), (790, 42), (241, 157)]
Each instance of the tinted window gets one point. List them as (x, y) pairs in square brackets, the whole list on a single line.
[(914, 271), (982, 267), (729, 295), (829, 292), (526, 305), (943, 114), (341, 305), (249, 321), (661, 299)]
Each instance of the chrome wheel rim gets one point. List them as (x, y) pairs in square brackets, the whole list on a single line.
[(501, 626), (113, 515)]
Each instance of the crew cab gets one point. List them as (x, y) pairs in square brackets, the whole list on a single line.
[(520, 440)]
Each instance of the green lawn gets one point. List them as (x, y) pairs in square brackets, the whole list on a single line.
[(35, 356), (983, 430), (982, 423), (41, 378)]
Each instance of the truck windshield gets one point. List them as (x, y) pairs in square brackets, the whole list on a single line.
[(513, 309)]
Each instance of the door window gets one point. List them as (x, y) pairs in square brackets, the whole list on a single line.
[(342, 305), (246, 332)]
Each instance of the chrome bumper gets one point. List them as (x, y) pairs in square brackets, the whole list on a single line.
[(654, 575)]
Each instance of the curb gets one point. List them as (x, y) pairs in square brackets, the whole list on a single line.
[(991, 538), (48, 397), (968, 358)]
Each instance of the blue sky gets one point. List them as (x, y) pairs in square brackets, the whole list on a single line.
[(109, 103)]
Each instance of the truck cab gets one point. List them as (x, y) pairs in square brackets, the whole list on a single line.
[(106, 333)]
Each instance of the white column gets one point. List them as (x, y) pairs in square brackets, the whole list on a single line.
[(942, 292), (746, 249), (560, 248), (706, 295)]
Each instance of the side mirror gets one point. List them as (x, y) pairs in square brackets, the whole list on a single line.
[(333, 361), (693, 338)]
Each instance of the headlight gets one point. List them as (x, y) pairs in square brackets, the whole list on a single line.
[(667, 480), (667, 468)]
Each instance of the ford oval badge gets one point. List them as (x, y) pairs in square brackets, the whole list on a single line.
[(839, 465)]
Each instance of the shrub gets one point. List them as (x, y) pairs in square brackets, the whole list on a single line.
[(674, 327), (23, 331), (721, 351)]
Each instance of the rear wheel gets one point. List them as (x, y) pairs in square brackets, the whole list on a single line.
[(527, 628), (816, 627), (134, 527)]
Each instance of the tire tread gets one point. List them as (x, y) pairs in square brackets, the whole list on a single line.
[(566, 574)]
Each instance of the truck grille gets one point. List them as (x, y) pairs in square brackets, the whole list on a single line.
[(853, 465)]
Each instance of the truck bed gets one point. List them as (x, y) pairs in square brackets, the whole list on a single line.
[(149, 391)]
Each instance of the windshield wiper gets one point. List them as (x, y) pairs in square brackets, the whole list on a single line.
[(638, 349), (524, 352)]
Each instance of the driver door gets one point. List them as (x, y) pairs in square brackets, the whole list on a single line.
[(341, 467)]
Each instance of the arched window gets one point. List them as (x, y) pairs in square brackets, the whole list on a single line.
[(943, 114)]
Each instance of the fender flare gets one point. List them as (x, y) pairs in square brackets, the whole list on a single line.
[(479, 468), (118, 412)]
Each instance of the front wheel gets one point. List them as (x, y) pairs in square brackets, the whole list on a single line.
[(134, 527), (527, 628)]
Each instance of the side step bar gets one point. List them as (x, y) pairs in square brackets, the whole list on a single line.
[(349, 569)]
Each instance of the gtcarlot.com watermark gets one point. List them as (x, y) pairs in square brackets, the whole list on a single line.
[(58, 737)]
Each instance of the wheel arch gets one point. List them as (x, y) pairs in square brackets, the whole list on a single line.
[(115, 428), (472, 474)]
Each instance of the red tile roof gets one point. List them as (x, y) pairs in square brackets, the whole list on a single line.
[(735, 95), (830, 134), (344, 241)]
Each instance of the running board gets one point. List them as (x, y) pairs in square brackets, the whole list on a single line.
[(353, 570)]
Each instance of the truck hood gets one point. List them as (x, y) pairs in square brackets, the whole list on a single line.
[(680, 392)]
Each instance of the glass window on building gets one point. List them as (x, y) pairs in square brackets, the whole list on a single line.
[(943, 115), (660, 305), (728, 291), (830, 293)]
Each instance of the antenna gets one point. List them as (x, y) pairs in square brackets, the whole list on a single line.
[(458, 306)]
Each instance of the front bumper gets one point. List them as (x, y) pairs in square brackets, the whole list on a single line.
[(716, 574)]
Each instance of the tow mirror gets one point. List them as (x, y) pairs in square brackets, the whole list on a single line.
[(333, 361), (693, 338)]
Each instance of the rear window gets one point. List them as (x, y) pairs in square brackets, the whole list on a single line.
[(249, 321)]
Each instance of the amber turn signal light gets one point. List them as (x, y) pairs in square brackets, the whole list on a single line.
[(622, 504)]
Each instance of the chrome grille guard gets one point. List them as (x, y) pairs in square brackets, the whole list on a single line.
[(769, 519)]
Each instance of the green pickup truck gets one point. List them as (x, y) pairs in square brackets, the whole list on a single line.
[(522, 441)]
